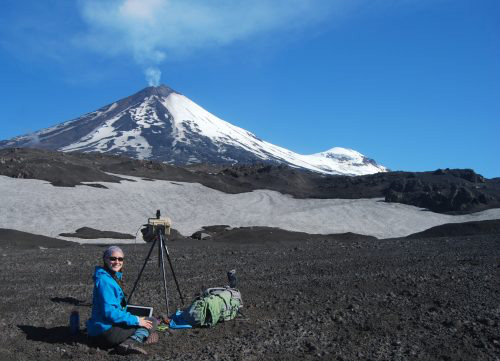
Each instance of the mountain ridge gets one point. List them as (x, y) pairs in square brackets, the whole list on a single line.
[(161, 124)]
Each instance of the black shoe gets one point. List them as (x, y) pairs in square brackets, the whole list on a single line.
[(130, 347)]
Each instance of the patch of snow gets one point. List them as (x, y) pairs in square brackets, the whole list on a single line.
[(188, 116), (107, 138), (54, 210), (111, 107), (145, 115)]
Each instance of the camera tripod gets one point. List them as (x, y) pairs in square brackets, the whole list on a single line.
[(162, 248)]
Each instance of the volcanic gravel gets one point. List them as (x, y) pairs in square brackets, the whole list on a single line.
[(307, 297), (491, 227), (10, 238)]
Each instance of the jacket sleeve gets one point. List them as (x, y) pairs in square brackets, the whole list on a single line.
[(112, 310)]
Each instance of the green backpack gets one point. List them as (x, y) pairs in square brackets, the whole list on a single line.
[(214, 305)]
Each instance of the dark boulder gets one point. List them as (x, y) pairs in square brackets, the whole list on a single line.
[(200, 235), (444, 191)]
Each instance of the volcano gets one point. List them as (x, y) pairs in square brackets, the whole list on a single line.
[(158, 123)]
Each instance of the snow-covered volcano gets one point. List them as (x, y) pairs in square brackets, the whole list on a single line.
[(161, 124)]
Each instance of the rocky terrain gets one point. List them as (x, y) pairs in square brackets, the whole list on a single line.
[(338, 297), (433, 295), (452, 191)]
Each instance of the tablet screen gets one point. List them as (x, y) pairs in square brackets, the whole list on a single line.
[(140, 311)]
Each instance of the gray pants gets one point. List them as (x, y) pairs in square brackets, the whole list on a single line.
[(120, 332)]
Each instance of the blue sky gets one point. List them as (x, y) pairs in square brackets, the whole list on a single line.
[(414, 84)]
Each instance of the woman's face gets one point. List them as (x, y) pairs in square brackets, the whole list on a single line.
[(115, 261)]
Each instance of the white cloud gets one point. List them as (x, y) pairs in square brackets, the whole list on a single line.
[(140, 10), (151, 30)]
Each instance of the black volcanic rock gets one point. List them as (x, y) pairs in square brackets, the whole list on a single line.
[(445, 191), (10, 238), (91, 233), (273, 235), (60, 169), (488, 227)]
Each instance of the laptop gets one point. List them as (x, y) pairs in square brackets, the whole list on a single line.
[(141, 311)]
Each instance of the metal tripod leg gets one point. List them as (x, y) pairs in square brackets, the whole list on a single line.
[(162, 247), (173, 273), (162, 265), (142, 269)]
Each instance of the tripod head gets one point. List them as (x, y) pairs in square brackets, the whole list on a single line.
[(156, 225)]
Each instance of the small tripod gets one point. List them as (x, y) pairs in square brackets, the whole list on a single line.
[(159, 228)]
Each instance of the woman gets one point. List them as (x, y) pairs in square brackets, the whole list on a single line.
[(110, 325)]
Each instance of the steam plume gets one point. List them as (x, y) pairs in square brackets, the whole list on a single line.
[(153, 75), (151, 29)]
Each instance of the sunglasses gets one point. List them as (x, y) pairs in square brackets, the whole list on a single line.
[(120, 259)]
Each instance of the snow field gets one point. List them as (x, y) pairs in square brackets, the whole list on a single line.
[(36, 206)]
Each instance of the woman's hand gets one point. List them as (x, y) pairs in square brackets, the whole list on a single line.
[(143, 322)]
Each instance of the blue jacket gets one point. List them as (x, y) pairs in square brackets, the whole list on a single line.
[(106, 304)]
